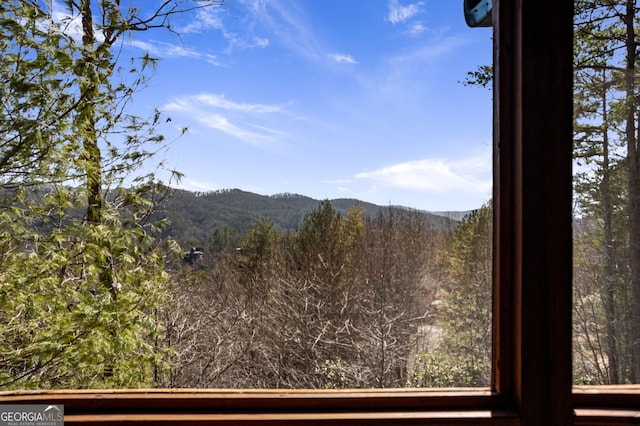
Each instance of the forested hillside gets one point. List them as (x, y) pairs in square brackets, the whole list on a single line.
[(193, 216), (340, 301)]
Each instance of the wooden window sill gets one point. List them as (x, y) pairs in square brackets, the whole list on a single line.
[(236, 407), (349, 418), (596, 405)]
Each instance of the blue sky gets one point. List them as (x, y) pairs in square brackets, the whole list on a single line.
[(327, 98)]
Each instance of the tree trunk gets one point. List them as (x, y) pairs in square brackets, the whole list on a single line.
[(92, 157), (634, 190), (89, 87), (608, 293)]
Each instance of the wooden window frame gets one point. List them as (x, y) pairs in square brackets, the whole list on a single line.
[(532, 370)]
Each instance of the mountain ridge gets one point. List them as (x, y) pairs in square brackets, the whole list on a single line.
[(193, 216)]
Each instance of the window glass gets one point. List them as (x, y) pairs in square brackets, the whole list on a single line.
[(332, 224), (606, 188)]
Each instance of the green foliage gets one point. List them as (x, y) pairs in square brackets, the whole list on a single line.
[(81, 272), (442, 369), (606, 287), (257, 255), (60, 327), (37, 92), (465, 304), (334, 375), (193, 216), (482, 77), (321, 243)]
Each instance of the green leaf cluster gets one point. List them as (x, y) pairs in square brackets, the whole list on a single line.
[(465, 306), (82, 275), (61, 328)]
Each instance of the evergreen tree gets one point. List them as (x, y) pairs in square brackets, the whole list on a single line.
[(78, 292), (607, 184), (464, 358)]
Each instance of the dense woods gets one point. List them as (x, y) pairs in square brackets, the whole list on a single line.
[(341, 301), (192, 215), (607, 188), (285, 291)]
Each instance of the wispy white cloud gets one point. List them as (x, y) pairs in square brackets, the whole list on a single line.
[(218, 19), (416, 28), (213, 100), (289, 23), (195, 185), (409, 18), (400, 78), (470, 175), (414, 60), (212, 59), (242, 121), (399, 13), (260, 42), (342, 58), (219, 122), (165, 50), (205, 19)]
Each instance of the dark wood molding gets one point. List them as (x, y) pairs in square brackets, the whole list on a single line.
[(532, 372), (533, 189), (595, 405), (504, 244), (236, 407), (620, 397), (262, 401)]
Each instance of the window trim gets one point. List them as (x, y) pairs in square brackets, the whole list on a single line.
[(531, 382), (533, 124)]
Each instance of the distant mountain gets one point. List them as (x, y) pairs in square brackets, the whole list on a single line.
[(193, 216), (457, 216)]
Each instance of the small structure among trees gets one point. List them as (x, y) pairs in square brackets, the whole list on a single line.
[(193, 255)]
